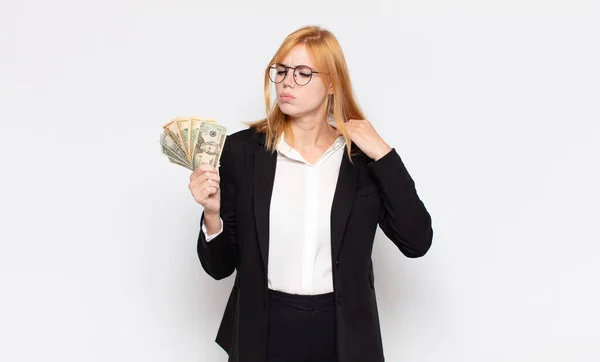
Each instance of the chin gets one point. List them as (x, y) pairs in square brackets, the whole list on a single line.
[(288, 109), (294, 110)]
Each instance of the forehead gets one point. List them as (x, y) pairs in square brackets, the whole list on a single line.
[(298, 56)]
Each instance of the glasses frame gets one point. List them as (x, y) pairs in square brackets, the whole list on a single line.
[(287, 68)]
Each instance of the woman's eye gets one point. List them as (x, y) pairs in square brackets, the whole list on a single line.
[(280, 72), (304, 75)]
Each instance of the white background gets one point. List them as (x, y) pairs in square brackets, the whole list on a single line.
[(493, 106)]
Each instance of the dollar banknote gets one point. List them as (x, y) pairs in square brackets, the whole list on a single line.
[(172, 131), (208, 145), (192, 141)]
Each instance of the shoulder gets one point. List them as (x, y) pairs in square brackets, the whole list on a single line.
[(245, 137), (240, 147)]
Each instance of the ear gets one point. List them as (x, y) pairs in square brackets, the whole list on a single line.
[(330, 89)]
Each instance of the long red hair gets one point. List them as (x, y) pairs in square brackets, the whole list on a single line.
[(329, 59)]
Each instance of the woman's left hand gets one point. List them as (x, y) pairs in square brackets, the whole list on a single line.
[(367, 139)]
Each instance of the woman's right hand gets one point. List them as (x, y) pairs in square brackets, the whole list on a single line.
[(205, 187)]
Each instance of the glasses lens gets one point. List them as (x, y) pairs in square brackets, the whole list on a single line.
[(302, 75), (277, 73)]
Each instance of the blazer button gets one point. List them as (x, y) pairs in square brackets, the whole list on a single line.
[(337, 264), (339, 299)]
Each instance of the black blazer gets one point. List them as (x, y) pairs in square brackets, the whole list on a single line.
[(367, 194)]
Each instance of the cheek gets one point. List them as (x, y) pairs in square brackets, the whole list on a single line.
[(278, 88), (318, 95), (313, 97)]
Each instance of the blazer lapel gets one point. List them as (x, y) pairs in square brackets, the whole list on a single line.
[(343, 199), (264, 176)]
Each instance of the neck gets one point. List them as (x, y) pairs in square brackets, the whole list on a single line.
[(311, 131)]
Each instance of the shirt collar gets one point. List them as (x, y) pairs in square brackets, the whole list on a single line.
[(290, 152)]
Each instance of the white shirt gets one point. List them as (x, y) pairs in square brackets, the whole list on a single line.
[(299, 219)]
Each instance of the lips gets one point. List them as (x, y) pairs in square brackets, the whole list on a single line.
[(286, 96)]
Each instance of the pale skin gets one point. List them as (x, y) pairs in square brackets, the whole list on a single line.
[(313, 135)]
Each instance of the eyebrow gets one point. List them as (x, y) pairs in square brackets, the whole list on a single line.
[(300, 65)]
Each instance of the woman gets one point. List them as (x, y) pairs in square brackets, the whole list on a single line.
[(294, 209)]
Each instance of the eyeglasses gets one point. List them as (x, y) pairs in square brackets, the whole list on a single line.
[(302, 73)]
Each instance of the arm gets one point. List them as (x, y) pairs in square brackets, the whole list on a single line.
[(212, 236), (219, 257), (403, 217)]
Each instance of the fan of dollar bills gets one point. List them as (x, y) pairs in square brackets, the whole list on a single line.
[(192, 141)]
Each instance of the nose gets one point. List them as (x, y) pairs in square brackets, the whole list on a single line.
[(288, 81)]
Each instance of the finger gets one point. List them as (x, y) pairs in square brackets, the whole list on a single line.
[(203, 178), (201, 169), (207, 167), (358, 122), (212, 176), (210, 183), (352, 128), (209, 191), (358, 126), (200, 175), (202, 192), (197, 172)]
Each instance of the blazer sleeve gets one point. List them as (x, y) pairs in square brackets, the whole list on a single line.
[(403, 217), (219, 257)]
